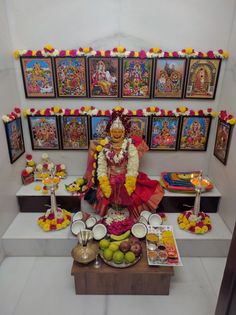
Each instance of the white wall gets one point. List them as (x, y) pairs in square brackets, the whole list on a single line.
[(9, 182), (225, 175), (134, 24)]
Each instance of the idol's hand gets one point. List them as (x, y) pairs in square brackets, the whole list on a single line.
[(130, 184), (105, 186)]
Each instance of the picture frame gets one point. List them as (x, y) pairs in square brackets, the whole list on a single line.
[(136, 78), (139, 127), (169, 78), (194, 133), (164, 131), (15, 139), (74, 132), (71, 77), (202, 78), (38, 77), (98, 127), (44, 132), (104, 77), (222, 141)]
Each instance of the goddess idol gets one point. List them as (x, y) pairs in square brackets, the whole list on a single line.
[(116, 181)]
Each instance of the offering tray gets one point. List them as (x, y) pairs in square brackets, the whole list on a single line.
[(122, 265)]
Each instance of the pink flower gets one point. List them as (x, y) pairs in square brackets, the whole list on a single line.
[(98, 53), (170, 113), (191, 112), (53, 227), (157, 109), (32, 110), (209, 226), (209, 109), (210, 54), (200, 54), (183, 51), (107, 113), (62, 53), (38, 112), (82, 109), (107, 53), (51, 216), (81, 49), (58, 167), (177, 109), (139, 112), (99, 113), (200, 224), (129, 113), (166, 54), (115, 50), (92, 107), (230, 117), (38, 53), (220, 51), (131, 54), (28, 53), (73, 53), (175, 54), (60, 110), (13, 114), (17, 110), (162, 112), (151, 50), (67, 111), (28, 157), (45, 165), (200, 112), (148, 109), (60, 221), (47, 112), (142, 54), (76, 112)]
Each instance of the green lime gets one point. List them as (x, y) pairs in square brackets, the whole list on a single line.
[(118, 257), (108, 254), (130, 257), (104, 244), (114, 247)]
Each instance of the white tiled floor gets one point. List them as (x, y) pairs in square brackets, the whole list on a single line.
[(44, 286)]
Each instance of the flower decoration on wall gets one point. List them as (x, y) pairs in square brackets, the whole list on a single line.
[(200, 224), (16, 113), (223, 115), (120, 51)]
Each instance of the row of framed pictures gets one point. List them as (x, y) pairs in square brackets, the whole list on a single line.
[(113, 77), (189, 133)]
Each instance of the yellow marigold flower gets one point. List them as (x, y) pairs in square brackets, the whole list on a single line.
[(120, 49), (214, 114), (156, 50), (94, 165), (232, 121), (37, 187), (72, 111), (198, 230), (56, 109), (182, 226), (103, 112), (152, 109), (95, 156), (182, 109), (16, 54), (99, 148), (42, 111), (34, 53), (25, 113), (93, 173), (86, 50), (196, 112), (189, 50), (225, 54), (80, 181), (48, 47), (204, 229), (46, 228), (103, 142), (67, 53), (193, 223), (45, 192), (170, 54), (185, 220), (166, 112), (102, 53), (134, 112), (117, 108), (136, 54), (87, 108), (180, 217), (93, 181), (31, 163), (59, 226), (204, 55)]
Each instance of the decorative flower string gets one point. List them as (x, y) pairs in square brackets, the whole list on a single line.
[(120, 51), (149, 111), (16, 113)]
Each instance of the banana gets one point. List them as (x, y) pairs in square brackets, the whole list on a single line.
[(119, 242), (120, 237)]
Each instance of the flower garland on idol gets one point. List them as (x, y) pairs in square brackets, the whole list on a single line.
[(120, 51), (149, 111)]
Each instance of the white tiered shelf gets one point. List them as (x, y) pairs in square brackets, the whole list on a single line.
[(25, 238)]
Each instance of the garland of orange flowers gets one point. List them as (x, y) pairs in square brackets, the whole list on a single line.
[(149, 111), (50, 51)]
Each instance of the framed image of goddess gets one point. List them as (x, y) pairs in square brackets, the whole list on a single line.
[(98, 127), (139, 127), (71, 76), (136, 78), (164, 133), (202, 78), (194, 133), (38, 77), (15, 139), (222, 141), (44, 132), (169, 77), (74, 132), (104, 75)]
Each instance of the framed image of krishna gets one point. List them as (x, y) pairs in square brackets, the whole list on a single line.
[(113, 180)]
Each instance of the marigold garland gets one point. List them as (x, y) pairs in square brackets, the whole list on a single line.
[(51, 223), (195, 224), (120, 51)]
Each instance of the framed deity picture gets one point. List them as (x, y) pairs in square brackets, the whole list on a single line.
[(74, 132), (98, 127), (222, 141), (44, 132), (169, 77), (104, 75), (136, 78), (38, 77), (164, 133), (139, 127), (194, 133), (202, 78), (71, 76), (15, 139)]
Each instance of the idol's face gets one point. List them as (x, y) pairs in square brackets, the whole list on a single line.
[(117, 135)]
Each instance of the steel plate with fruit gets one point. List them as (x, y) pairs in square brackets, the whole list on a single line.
[(120, 251)]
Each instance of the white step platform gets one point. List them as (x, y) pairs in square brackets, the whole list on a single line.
[(25, 238)]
